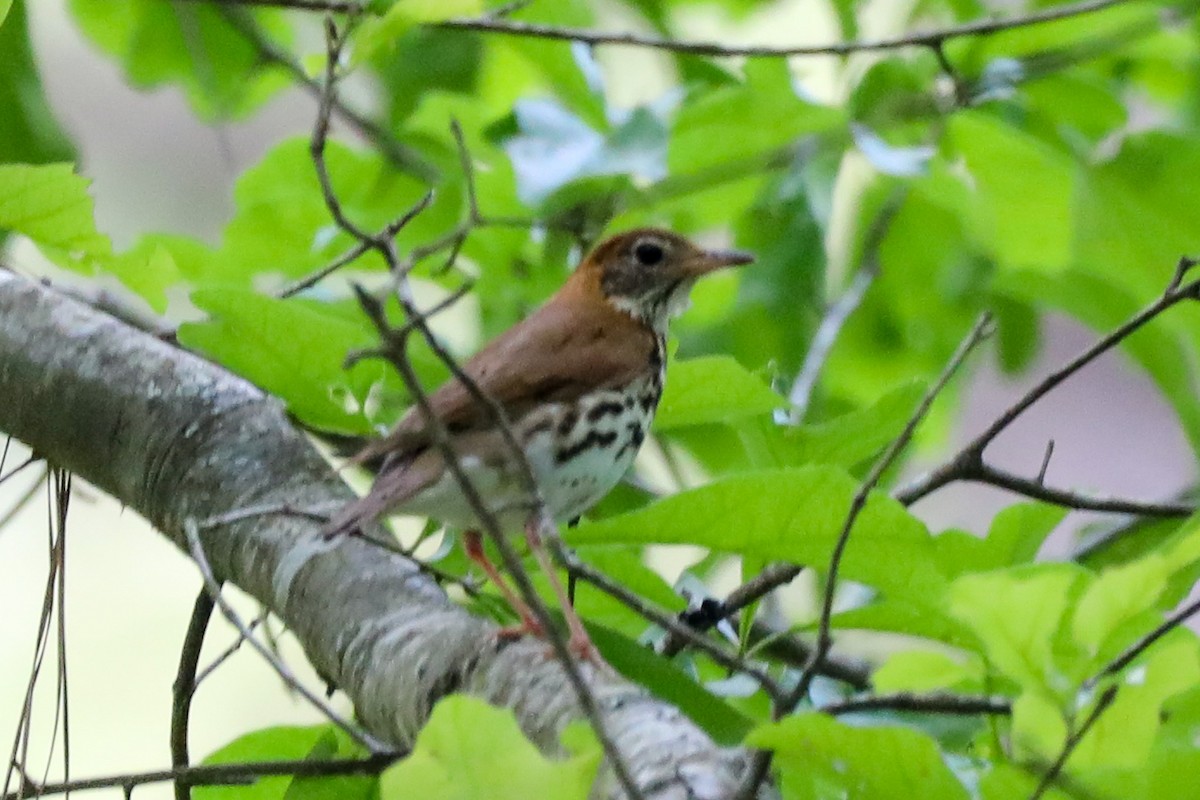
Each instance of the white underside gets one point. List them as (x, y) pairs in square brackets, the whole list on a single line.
[(568, 489)]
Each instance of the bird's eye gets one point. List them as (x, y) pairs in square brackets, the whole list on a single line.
[(648, 253)]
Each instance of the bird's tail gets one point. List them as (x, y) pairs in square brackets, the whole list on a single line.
[(394, 484)]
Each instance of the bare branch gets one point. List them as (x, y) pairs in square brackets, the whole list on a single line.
[(772, 577), (184, 687), (215, 775), (968, 464), (940, 703), (928, 39), (667, 622), (837, 314), (400, 156), (1081, 501), (1141, 645)]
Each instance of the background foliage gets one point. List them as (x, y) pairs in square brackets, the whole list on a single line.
[(1040, 168)]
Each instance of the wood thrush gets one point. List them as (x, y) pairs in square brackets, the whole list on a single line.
[(579, 381)]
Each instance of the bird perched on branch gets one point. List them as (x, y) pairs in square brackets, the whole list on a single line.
[(578, 381)]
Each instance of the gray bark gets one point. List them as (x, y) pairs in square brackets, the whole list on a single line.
[(177, 438)]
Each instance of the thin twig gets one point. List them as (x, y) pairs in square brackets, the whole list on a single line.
[(61, 482), (360, 247), (228, 652), (761, 761), (719, 655), (980, 472), (495, 23), (400, 156), (1106, 700), (240, 774), (1141, 645), (771, 577), (981, 27), (953, 704), (33, 459), (835, 317), (184, 687), (968, 463), (980, 331), (196, 548), (19, 756), (1041, 476), (24, 498)]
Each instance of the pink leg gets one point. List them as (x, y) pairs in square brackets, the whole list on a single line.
[(580, 644), (473, 544)]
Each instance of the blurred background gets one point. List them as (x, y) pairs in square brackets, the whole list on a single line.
[(129, 593)]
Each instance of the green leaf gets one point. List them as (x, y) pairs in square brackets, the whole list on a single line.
[(283, 743), (820, 757), (926, 671), (1038, 727), (292, 349), (193, 45), (1137, 212), (158, 262), (1017, 614), (666, 681), (1025, 192), (1006, 781), (283, 225), (1014, 538), (910, 618), (1125, 734), (850, 439), (469, 750), (377, 33), (781, 296), (29, 132), (788, 515), (710, 389), (1109, 611), (735, 122), (49, 203), (562, 162), (333, 744), (1116, 596)]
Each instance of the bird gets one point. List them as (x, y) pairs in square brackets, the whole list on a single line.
[(578, 380)]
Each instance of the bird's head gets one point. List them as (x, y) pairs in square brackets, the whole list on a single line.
[(648, 273)]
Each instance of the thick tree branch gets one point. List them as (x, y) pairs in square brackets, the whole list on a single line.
[(179, 439)]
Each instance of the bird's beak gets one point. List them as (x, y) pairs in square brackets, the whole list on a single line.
[(713, 260)]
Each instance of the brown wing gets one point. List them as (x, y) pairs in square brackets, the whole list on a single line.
[(571, 345)]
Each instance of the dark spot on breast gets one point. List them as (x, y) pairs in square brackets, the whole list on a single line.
[(637, 435), (649, 402), (603, 409), (593, 439), (656, 353), (567, 423)]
